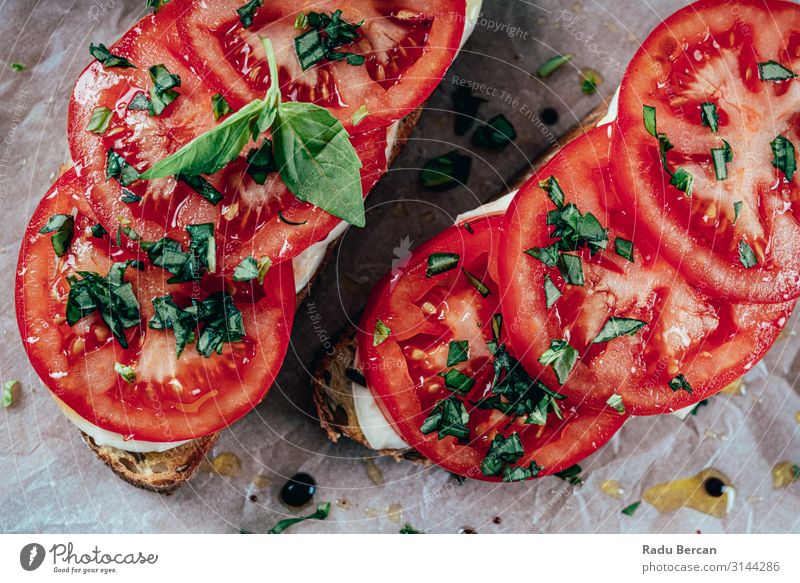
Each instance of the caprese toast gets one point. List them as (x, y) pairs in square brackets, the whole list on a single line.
[(219, 149)]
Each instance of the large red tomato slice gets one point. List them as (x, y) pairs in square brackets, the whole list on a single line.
[(405, 45), (435, 355), (596, 308), (160, 397), (720, 77), (251, 219)]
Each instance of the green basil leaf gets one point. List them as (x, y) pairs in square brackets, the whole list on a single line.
[(664, 146), (98, 231), (18, 67), (439, 263), (108, 59), (709, 117), (616, 327), (457, 351), (167, 315), (9, 388), (457, 381), (551, 292), (219, 107), (683, 181), (502, 451), (247, 13), (300, 21), (446, 172), (496, 134), (476, 283), (317, 162), (140, 102), (678, 383), (630, 510), (553, 190), (448, 417), (772, 71), (552, 64), (624, 248), (382, 332), (747, 257), (649, 115), (561, 357), (784, 158), (519, 473), (250, 269), (590, 81), (737, 210), (129, 197), (260, 162), (157, 5), (127, 373), (719, 157), (202, 187), (321, 513), (63, 229), (570, 268), (118, 168), (309, 49), (408, 529), (547, 255), (359, 115), (162, 93), (615, 402), (100, 120), (571, 475)]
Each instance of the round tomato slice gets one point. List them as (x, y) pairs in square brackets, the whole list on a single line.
[(251, 219), (396, 57), (117, 364), (599, 311), (435, 355), (720, 80)]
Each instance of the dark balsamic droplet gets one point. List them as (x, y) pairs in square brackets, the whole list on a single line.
[(497, 520), (467, 530), (714, 487), (299, 490), (549, 116), (253, 498)]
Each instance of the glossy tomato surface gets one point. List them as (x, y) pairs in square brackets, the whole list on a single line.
[(262, 220), (420, 325), (712, 72), (706, 339), (171, 398), (406, 47)]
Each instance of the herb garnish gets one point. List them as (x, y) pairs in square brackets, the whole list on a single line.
[(629, 510), (520, 473), (747, 257), (63, 229), (162, 93), (678, 383), (590, 81), (624, 248), (117, 167), (709, 117), (261, 162), (247, 13), (382, 332), (551, 292), (140, 102), (457, 381), (202, 187), (547, 255), (616, 327), (447, 171), (188, 265), (502, 451), (408, 529), (219, 107), (571, 475), (157, 5), (476, 283), (100, 120), (784, 159), (129, 197), (719, 158), (18, 67), (552, 64), (496, 134), (772, 71), (615, 402), (561, 357), (359, 115), (553, 190), (682, 180), (98, 231), (9, 388), (108, 59), (111, 296), (448, 417), (250, 269), (127, 373), (737, 210), (321, 513), (457, 351), (439, 263), (571, 269), (328, 33)]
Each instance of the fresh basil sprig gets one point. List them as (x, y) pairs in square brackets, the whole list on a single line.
[(316, 160)]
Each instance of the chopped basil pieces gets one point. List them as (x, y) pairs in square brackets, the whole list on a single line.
[(457, 351), (615, 402), (571, 475), (476, 283), (737, 210), (682, 180), (382, 332), (747, 257), (162, 93), (496, 134), (629, 510), (552, 64), (577, 230), (261, 162), (328, 33), (649, 115), (502, 451), (202, 187), (570, 268), (300, 21), (111, 296), (359, 115), (547, 255), (772, 71), (719, 157), (468, 228), (250, 269), (678, 383), (100, 120), (448, 417), (457, 381), (553, 190), (551, 292), (784, 159), (118, 168), (709, 117), (408, 529), (616, 327), (98, 231), (447, 171), (9, 387), (497, 326), (219, 107), (140, 102), (156, 5), (441, 262), (107, 59), (247, 13), (590, 81), (519, 473), (561, 357), (18, 67), (466, 107), (63, 229), (664, 146), (321, 513), (169, 255), (127, 373), (624, 248), (129, 197)]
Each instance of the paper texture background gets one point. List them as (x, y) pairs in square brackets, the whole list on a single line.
[(50, 480)]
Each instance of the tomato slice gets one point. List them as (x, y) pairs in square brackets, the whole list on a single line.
[(431, 320), (171, 398), (406, 45), (738, 236), (251, 219), (707, 339)]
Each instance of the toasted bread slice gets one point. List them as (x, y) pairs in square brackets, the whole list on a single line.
[(164, 472), (331, 385)]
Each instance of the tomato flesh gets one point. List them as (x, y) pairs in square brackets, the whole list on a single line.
[(407, 46), (251, 219), (707, 339), (171, 398), (708, 53), (425, 314)]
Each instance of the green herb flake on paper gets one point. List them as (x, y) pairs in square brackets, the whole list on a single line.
[(630, 510), (321, 513), (552, 64)]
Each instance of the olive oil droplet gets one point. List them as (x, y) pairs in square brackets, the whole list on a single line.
[(394, 512), (709, 492), (227, 464), (612, 488), (735, 388), (784, 474)]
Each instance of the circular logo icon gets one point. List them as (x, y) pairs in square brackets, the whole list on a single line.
[(31, 556)]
